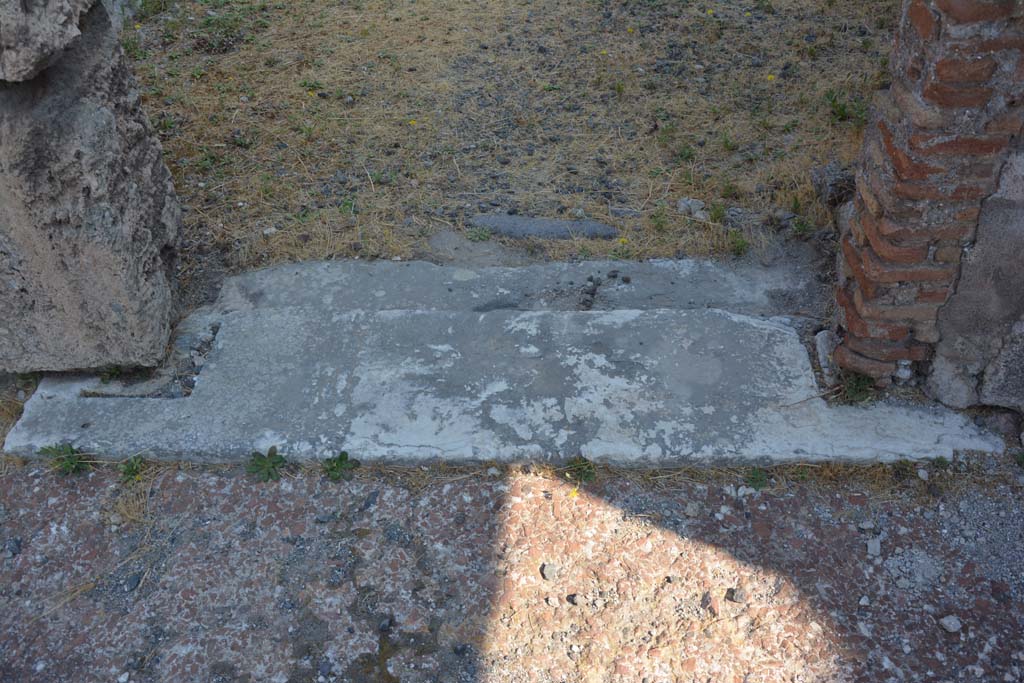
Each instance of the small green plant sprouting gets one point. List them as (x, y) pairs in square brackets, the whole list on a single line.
[(243, 140), (165, 124), (149, 8), (730, 190), (479, 234), (340, 467), (685, 154), (716, 213), (801, 227), (659, 219), (757, 478), (728, 144), (131, 469), (266, 467), (580, 470), (845, 108), (110, 374), (133, 48), (311, 84), (1018, 458), (941, 464), (66, 458), (902, 470), (802, 473), (348, 206), (856, 388), (738, 243)]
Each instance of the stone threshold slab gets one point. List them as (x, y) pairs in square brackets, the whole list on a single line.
[(742, 287), (628, 387)]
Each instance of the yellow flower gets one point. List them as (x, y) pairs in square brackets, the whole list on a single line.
[(412, 122), (623, 240), (629, 30), (711, 12), (311, 93), (771, 77), (604, 52), (746, 14), (575, 493), (138, 26)]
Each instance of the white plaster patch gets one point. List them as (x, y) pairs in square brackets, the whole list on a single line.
[(527, 323)]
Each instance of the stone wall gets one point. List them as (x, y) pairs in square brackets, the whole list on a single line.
[(912, 240), (88, 216)]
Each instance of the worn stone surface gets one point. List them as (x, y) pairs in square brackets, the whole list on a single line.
[(741, 287), (546, 228), (449, 246), (88, 215), (304, 360), (980, 358), (203, 574), (35, 33)]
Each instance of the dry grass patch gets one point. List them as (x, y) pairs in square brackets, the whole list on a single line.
[(313, 129)]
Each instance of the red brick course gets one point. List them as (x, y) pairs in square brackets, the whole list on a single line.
[(956, 70), (974, 11), (922, 19), (933, 152)]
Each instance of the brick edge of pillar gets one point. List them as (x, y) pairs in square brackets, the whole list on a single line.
[(932, 153)]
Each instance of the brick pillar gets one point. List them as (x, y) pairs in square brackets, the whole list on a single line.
[(932, 153)]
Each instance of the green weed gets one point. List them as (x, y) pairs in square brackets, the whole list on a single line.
[(131, 469), (685, 154), (150, 8), (716, 213), (133, 48), (856, 388), (66, 459), (266, 467), (659, 219), (340, 467), (757, 478), (843, 107), (738, 243), (580, 470)]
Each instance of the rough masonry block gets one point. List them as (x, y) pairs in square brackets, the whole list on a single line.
[(88, 216)]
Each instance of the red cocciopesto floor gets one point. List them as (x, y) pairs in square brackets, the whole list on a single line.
[(508, 576)]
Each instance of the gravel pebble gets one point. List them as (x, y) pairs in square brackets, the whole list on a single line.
[(950, 624)]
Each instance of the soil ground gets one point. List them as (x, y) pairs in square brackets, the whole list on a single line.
[(312, 129), (201, 574)]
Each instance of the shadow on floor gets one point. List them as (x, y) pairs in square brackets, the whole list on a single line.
[(205, 575)]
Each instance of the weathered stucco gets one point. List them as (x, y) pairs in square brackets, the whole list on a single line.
[(980, 358)]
